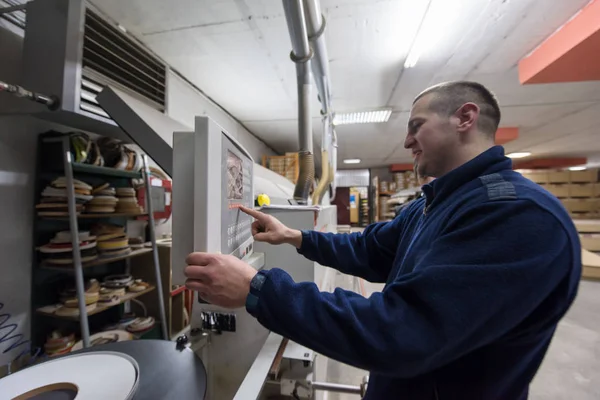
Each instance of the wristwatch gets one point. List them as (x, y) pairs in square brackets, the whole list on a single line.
[(256, 285)]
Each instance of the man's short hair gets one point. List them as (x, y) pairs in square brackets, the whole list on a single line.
[(450, 96)]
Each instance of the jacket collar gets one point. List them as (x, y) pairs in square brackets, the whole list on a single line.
[(490, 161)]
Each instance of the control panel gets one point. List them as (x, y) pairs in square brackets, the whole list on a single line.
[(236, 191)]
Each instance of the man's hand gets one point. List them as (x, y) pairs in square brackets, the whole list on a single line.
[(219, 279), (268, 229)]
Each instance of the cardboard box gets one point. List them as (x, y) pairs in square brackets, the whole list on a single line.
[(585, 176), (591, 264), (582, 190), (590, 242), (587, 225), (537, 176), (558, 176), (580, 205), (558, 190)]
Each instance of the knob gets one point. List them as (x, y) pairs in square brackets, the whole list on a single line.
[(182, 341)]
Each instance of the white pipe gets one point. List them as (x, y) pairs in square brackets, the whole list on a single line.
[(337, 387), (320, 67), (301, 55), (315, 25)]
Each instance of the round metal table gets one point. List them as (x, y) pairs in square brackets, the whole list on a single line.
[(166, 373)]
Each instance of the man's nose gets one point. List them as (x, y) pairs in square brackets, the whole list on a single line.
[(409, 141)]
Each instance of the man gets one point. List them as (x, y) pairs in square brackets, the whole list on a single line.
[(478, 272)]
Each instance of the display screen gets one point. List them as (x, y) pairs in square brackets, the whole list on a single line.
[(235, 177)]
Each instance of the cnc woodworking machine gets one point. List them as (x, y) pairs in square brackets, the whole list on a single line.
[(212, 177)]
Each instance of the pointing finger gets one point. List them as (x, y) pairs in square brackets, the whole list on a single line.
[(253, 213)]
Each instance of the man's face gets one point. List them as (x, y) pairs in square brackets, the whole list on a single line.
[(431, 138)]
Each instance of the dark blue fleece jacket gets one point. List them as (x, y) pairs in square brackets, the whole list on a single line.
[(478, 274)]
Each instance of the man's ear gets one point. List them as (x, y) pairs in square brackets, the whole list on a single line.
[(467, 116)]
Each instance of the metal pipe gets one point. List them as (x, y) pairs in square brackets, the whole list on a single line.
[(52, 102), (320, 66), (337, 387), (6, 10), (157, 274), (73, 225), (301, 54), (315, 26)]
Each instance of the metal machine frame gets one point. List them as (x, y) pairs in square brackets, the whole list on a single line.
[(197, 226)]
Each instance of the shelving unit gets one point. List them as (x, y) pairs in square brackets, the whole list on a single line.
[(53, 160), (100, 308), (99, 261), (363, 211), (95, 216)]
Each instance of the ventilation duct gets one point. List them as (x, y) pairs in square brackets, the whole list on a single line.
[(72, 53)]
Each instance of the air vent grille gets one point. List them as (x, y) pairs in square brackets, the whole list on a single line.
[(17, 18), (107, 53)]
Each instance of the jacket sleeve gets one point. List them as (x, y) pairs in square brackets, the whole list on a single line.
[(480, 279), (369, 254)]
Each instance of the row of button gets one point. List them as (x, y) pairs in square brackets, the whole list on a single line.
[(232, 229), (236, 238)]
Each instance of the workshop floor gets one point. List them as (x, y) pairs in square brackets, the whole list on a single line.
[(570, 371)]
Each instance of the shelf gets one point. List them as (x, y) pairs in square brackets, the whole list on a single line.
[(99, 261), (92, 216), (106, 171), (386, 193), (99, 308)]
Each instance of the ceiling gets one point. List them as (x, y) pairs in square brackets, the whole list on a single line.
[(237, 51)]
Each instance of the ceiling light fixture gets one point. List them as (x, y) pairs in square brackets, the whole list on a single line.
[(437, 20), (352, 161), (363, 117), (578, 168), (519, 154)]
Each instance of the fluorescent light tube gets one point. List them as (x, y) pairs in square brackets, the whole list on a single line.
[(519, 154), (352, 161), (363, 117)]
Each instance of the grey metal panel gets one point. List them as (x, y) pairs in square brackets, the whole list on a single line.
[(85, 121), (53, 48), (147, 127), (183, 205), (255, 379)]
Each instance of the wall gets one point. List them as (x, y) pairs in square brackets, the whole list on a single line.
[(184, 102), (383, 173), (17, 164)]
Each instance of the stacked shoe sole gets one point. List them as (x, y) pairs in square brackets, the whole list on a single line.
[(104, 200), (127, 201), (54, 200), (112, 240), (70, 302), (58, 343), (60, 248)]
